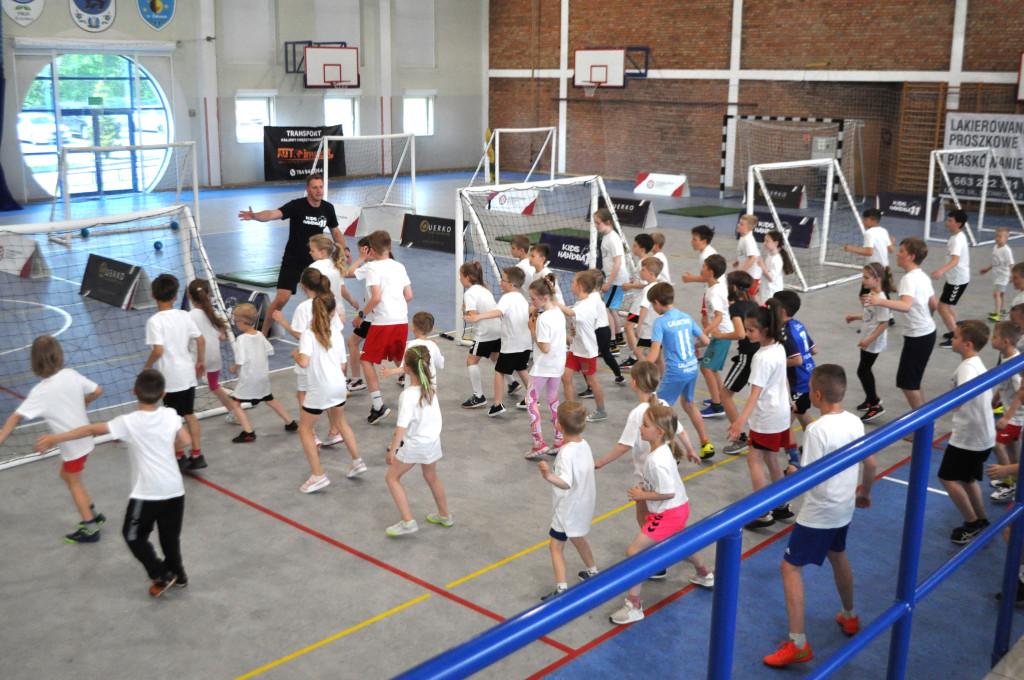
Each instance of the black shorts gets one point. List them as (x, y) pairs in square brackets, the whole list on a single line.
[(485, 348), (254, 402), (951, 294), (291, 272), (508, 363), (913, 361), (963, 465), (802, 401), (643, 342), (183, 403), (362, 329), (632, 318), (558, 535), (738, 376), (318, 411)]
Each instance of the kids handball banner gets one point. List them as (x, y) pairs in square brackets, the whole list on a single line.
[(909, 206), (289, 152), (798, 230), (569, 253), (1004, 134)]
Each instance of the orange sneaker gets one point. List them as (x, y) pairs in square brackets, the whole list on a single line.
[(850, 626), (788, 653)]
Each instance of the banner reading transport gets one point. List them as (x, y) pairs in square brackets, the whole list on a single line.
[(1004, 134), (289, 152)]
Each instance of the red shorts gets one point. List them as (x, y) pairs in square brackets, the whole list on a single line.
[(76, 465), (662, 525), (385, 343), (581, 365), (1009, 435), (772, 441)]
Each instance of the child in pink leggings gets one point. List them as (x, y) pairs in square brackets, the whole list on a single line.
[(547, 326)]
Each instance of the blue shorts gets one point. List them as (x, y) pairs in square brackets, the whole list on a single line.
[(714, 356), (613, 298), (811, 546), (674, 386)]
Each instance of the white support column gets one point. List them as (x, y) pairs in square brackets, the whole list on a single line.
[(733, 96), (207, 100), (384, 66), (956, 55), (563, 82)]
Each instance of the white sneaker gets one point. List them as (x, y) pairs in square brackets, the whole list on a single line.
[(402, 528), (357, 468), (704, 581), (230, 417), (628, 614), (333, 439), (316, 440), (1004, 494), (435, 518), (314, 483)]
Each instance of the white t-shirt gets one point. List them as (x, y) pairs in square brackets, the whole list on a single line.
[(916, 284), (664, 276), (327, 268), (327, 386), (631, 437), (768, 371), (390, 276), (773, 261), (1008, 390), (872, 316), (302, 318), (527, 268), (541, 274), (877, 238), (830, 504), (584, 343), (973, 427), (638, 300), (172, 329), (251, 352), (746, 247), (476, 298), (612, 247), (1002, 262), (1018, 299), (515, 319), (60, 399), (574, 507), (662, 476), (436, 358), (550, 329), (702, 255), (360, 275), (150, 439), (602, 314), (422, 427), (212, 338), (961, 273), (716, 299), (647, 327)]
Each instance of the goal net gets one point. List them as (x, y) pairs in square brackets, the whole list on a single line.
[(371, 171), (528, 153), (94, 298), (556, 212), (101, 180), (814, 237), (973, 178)]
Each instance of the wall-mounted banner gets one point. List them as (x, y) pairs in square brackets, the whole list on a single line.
[(1004, 134), (23, 12), (93, 15), (632, 212), (156, 13), (431, 233), (909, 206), (289, 152), (798, 230), (783, 195)]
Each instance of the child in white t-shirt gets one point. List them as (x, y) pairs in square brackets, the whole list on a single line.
[(169, 332), (1005, 336), (520, 247), (573, 496), (605, 347), (777, 263), (253, 387), (538, 257), (874, 331), (214, 328), (582, 354), (514, 351), (158, 495), (61, 399), (659, 244), (637, 320), (747, 253), (329, 258), (422, 327), (1002, 260), (547, 326), (616, 271), (716, 322), (487, 331), (417, 441), (877, 242), (957, 271)]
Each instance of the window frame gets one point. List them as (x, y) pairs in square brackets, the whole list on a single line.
[(353, 96), (269, 97), (429, 96)]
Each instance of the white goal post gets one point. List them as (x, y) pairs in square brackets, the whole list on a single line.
[(379, 170), (523, 147), (821, 261), (990, 184)]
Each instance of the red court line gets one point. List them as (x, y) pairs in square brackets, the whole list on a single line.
[(12, 392), (372, 560), (604, 637)]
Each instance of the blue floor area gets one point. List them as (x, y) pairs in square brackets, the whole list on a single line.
[(676, 637)]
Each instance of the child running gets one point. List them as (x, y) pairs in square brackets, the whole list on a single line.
[(717, 324), (547, 327), (358, 271), (487, 331), (605, 347), (582, 354), (776, 263), (747, 253), (419, 427), (800, 351), (422, 327), (616, 273), (61, 398), (874, 330), (329, 260), (573, 496), (666, 499), (738, 284), (1002, 261), (214, 329)]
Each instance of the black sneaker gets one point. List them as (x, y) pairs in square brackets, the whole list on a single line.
[(522, 405), (865, 405), (615, 351), (84, 534), (162, 583), (97, 517), (244, 437), (873, 412), (946, 344), (584, 575), (627, 364), (291, 427), (514, 387), (554, 593), (182, 580), (496, 410), (586, 394), (947, 336), (378, 414), (968, 531), (183, 463), (659, 575), (760, 522), (1018, 600), (197, 462), (476, 401), (783, 512), (620, 379)]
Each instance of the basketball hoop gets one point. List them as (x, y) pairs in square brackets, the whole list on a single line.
[(589, 89)]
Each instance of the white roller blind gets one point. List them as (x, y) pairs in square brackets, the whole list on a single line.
[(248, 31), (413, 22)]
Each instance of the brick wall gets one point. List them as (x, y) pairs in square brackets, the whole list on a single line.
[(995, 35)]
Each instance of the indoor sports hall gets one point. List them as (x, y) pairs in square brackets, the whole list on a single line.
[(138, 135)]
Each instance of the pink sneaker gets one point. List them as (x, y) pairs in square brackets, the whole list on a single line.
[(316, 440), (537, 451), (333, 439)]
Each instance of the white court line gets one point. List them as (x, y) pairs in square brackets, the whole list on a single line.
[(900, 481)]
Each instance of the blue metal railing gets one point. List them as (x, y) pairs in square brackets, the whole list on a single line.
[(726, 527)]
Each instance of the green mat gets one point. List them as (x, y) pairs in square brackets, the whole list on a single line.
[(261, 278), (534, 236), (702, 211)]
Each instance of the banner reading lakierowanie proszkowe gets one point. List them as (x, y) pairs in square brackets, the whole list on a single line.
[(1004, 134)]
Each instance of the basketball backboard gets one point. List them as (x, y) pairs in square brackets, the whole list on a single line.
[(600, 68), (332, 66)]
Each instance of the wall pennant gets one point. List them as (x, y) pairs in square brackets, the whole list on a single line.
[(93, 15), (156, 13), (23, 12)]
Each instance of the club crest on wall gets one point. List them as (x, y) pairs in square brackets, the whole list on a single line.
[(93, 15), (23, 12), (156, 13)]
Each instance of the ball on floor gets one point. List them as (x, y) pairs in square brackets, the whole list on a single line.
[(158, 245)]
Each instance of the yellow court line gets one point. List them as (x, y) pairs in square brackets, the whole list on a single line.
[(336, 636)]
